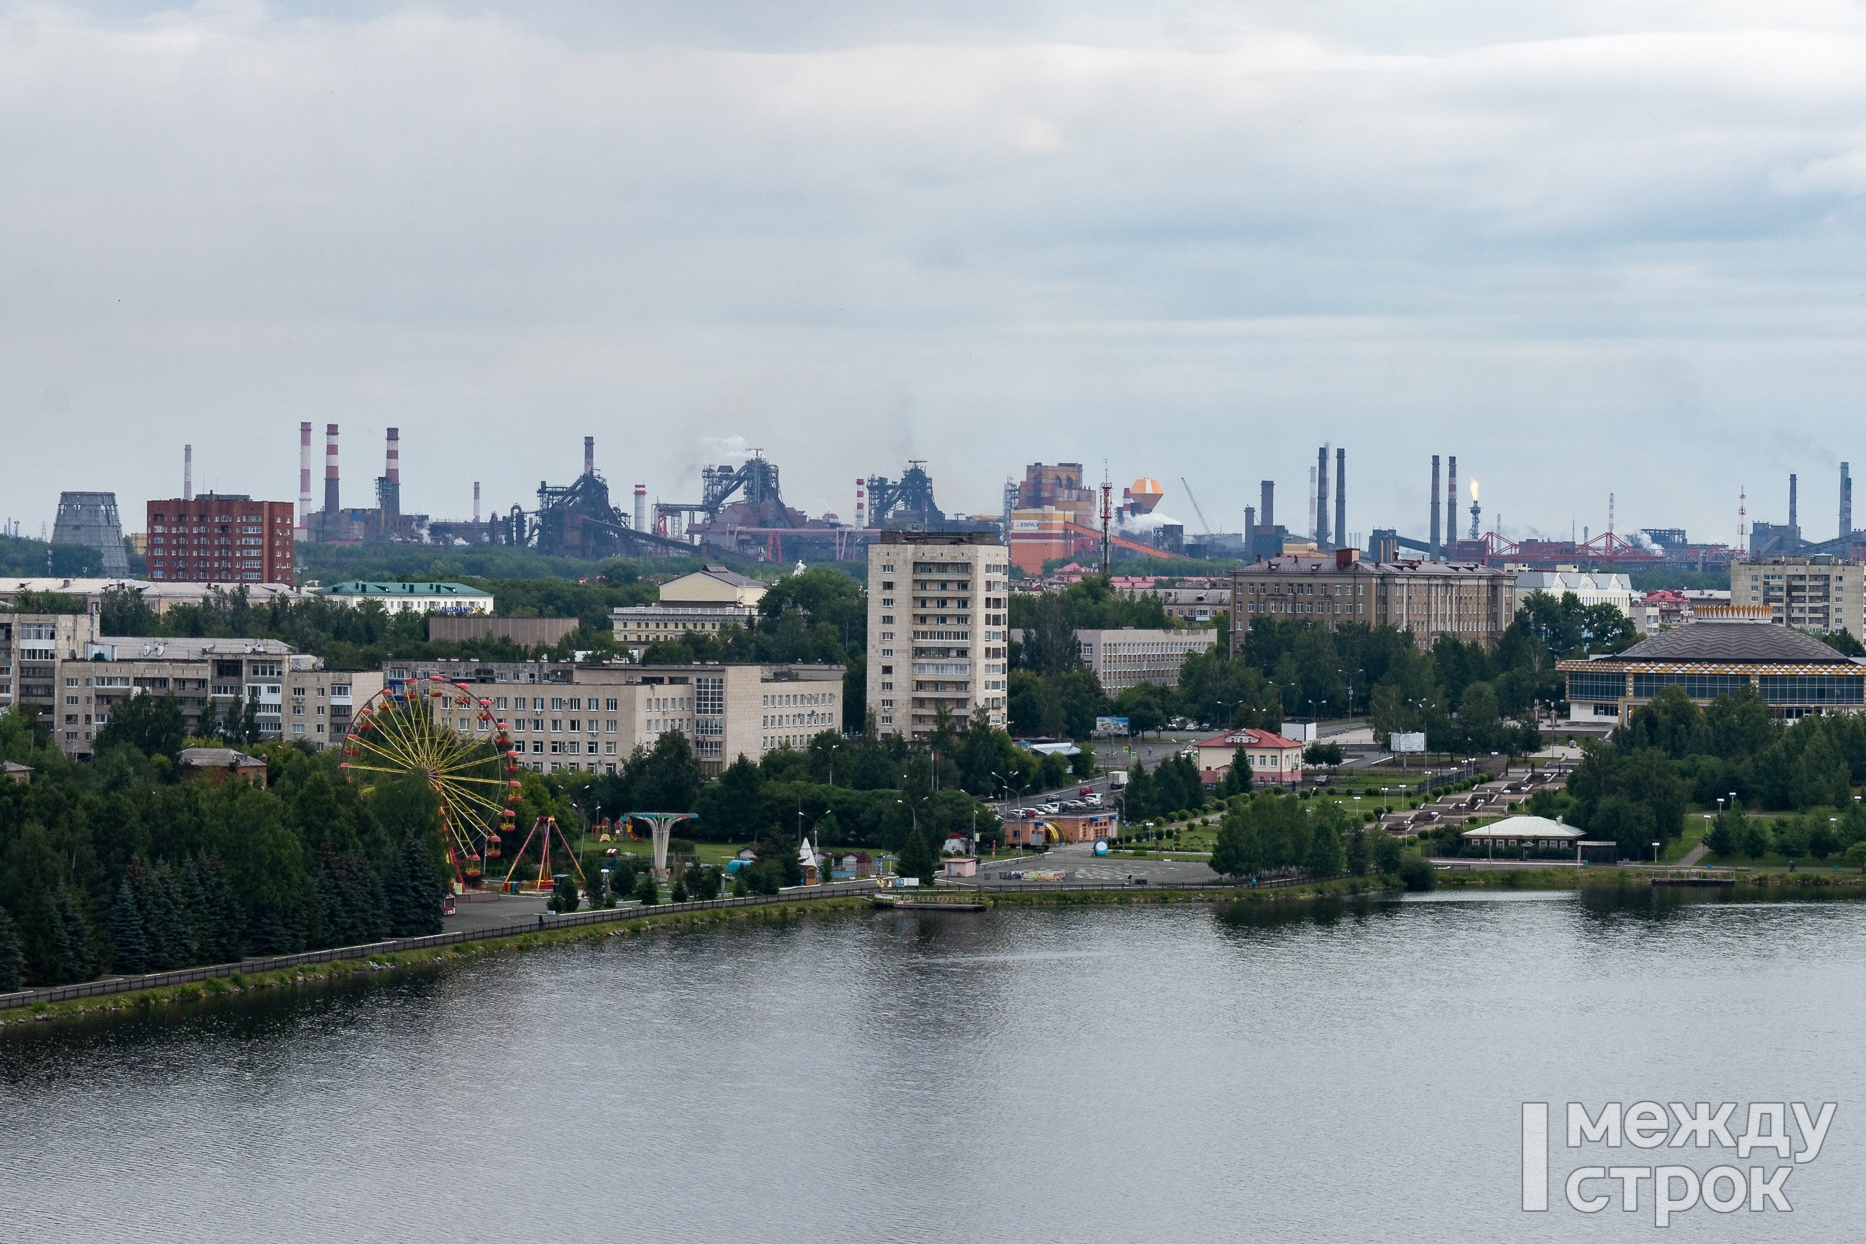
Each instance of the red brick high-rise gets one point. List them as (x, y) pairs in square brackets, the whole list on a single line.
[(220, 539)]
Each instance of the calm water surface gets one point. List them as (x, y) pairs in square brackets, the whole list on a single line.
[(1339, 1073)]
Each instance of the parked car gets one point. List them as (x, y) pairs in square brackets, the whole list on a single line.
[(1086, 790), (1092, 799)]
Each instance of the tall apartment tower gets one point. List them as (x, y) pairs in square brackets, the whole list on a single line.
[(937, 613)]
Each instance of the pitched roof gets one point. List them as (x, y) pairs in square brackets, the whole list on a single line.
[(1733, 642), (1249, 736), (1524, 827)]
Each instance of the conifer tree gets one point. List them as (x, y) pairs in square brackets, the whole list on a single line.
[(916, 859), (222, 917), (414, 891), (12, 962), (79, 961), (129, 950), (646, 891)]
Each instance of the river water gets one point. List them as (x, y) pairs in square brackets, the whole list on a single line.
[(1347, 1072)]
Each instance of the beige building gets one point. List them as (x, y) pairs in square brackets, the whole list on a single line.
[(1810, 593), (703, 602), (158, 596), (1195, 602), (1468, 601), (567, 716), (936, 628), (1128, 656), (31, 647)]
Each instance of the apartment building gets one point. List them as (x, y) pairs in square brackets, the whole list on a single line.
[(562, 715), (31, 647), (1128, 656), (1192, 601), (936, 629), (1818, 594), (1466, 600), (216, 538)]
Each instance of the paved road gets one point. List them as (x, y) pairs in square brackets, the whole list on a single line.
[(505, 909)]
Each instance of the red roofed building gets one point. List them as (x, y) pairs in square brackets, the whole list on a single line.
[(1273, 758)]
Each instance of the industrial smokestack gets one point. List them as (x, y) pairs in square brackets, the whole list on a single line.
[(1451, 504), (304, 481), (1313, 533), (1321, 498), (476, 503), (1846, 503), (331, 502), (389, 494), (1794, 526), (392, 469), (1268, 509), (589, 455), (1341, 497), (861, 504), (1435, 510), (641, 507), (1250, 523), (187, 472)]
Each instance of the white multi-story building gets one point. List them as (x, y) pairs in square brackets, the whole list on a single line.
[(1812, 593), (1128, 656), (1588, 587), (937, 605), (589, 717)]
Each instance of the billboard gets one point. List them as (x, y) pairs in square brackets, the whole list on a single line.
[(1405, 743), (1108, 727)]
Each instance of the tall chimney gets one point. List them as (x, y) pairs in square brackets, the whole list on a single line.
[(331, 503), (1451, 504), (187, 472), (1435, 510), (1341, 498), (1846, 504), (476, 503), (1794, 525), (1268, 509), (1250, 524), (1321, 498), (391, 498), (861, 504), (641, 507), (304, 481), (1314, 532), (589, 455)]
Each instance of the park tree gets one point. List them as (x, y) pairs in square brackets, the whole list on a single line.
[(150, 723), (12, 962), (414, 890)]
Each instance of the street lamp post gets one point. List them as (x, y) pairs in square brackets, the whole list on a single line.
[(1655, 853)]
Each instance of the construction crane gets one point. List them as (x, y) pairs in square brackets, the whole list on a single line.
[(1195, 505)]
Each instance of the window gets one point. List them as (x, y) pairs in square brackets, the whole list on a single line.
[(1812, 689), (1697, 686), (1596, 686)]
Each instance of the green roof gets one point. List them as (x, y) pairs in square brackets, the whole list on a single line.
[(360, 587)]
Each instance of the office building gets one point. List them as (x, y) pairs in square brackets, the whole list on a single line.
[(937, 641), (1466, 600), (704, 602), (214, 538), (1590, 588), (410, 597), (1127, 656)]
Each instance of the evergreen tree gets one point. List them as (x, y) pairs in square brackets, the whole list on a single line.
[(1326, 857), (1137, 803), (80, 958), (129, 950), (1238, 777), (221, 916), (414, 891), (166, 922), (916, 859), (647, 893), (1237, 851), (42, 938), (679, 892), (12, 962), (564, 897)]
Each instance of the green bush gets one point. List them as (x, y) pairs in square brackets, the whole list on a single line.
[(1417, 873)]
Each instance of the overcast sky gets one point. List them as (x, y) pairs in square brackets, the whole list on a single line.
[(1587, 247)]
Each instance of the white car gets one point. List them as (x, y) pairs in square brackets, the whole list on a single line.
[(1092, 799)]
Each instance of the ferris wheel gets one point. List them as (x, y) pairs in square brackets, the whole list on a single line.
[(448, 736)]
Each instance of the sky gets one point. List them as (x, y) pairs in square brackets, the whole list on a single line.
[(1590, 248)]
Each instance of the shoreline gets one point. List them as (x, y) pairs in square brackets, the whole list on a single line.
[(232, 980)]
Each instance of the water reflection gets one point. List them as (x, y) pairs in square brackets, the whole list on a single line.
[(1347, 1068)]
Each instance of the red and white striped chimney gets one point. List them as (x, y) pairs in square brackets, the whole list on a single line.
[(304, 480), (861, 504), (331, 501), (393, 468)]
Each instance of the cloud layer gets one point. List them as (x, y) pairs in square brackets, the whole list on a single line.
[(1589, 248)]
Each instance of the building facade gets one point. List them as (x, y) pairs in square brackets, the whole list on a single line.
[(1794, 673), (1820, 594), (1128, 656), (1194, 602), (937, 638), (565, 716), (1273, 758), (1468, 601), (32, 645), (1588, 587), (704, 603), (220, 539), (411, 597)]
